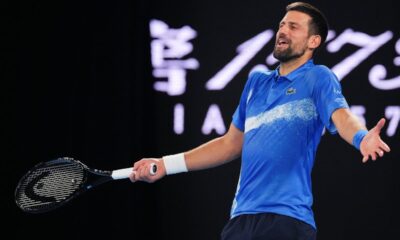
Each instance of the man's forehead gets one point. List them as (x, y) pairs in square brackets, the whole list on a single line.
[(296, 17)]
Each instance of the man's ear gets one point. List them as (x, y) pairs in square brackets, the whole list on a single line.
[(314, 41)]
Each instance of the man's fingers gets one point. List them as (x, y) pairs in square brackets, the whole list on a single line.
[(143, 173), (132, 176), (138, 164), (380, 153), (380, 124), (373, 155), (146, 172), (142, 169), (365, 158), (384, 146)]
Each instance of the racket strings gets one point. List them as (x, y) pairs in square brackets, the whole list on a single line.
[(50, 185)]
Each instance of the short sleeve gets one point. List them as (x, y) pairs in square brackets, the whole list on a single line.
[(239, 117), (327, 96)]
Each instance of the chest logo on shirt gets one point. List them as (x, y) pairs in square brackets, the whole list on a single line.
[(291, 91)]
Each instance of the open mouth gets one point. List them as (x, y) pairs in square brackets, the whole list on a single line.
[(282, 42)]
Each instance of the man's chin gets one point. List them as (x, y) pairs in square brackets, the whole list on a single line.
[(285, 57), (282, 57)]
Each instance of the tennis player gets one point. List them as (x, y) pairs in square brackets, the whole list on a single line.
[(276, 130)]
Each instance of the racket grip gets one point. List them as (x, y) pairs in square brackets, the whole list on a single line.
[(125, 172), (121, 173)]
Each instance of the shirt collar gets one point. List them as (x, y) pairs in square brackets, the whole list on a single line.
[(291, 76)]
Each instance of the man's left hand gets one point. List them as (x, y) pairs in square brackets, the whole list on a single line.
[(372, 144)]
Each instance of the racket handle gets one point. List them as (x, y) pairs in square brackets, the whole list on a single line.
[(121, 173), (125, 172)]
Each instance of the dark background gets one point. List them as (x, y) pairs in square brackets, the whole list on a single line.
[(77, 81)]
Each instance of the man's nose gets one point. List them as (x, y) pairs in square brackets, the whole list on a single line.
[(283, 30)]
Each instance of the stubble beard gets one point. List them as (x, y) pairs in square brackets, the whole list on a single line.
[(287, 54)]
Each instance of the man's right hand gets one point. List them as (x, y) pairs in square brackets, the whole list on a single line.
[(141, 170)]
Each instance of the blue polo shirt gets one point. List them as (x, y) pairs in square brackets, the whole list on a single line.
[(282, 118)]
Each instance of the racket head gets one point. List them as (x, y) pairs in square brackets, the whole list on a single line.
[(49, 185)]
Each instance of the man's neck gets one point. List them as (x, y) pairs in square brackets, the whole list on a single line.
[(287, 67)]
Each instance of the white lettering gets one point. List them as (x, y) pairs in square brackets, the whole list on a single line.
[(378, 73), (179, 118), (271, 60), (392, 113), (368, 44), (377, 76), (246, 51), (259, 67), (213, 121), (396, 60), (331, 35), (168, 48)]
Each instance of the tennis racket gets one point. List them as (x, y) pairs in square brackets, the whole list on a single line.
[(50, 185)]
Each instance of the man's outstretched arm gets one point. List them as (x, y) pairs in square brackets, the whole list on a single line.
[(211, 154), (351, 130)]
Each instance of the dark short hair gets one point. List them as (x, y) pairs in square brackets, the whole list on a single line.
[(318, 24)]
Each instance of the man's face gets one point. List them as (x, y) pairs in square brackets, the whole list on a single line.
[(292, 36)]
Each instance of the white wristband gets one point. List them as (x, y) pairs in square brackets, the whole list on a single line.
[(175, 163)]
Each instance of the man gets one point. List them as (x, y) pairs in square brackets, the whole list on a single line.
[(276, 129)]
